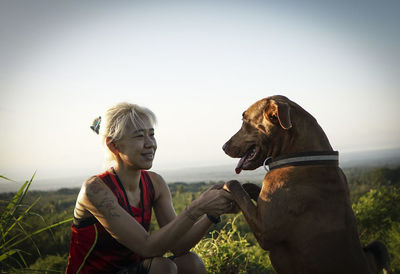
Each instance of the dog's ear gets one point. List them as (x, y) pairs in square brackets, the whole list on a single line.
[(279, 111)]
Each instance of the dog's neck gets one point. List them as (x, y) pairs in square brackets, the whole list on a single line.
[(300, 140), (330, 158)]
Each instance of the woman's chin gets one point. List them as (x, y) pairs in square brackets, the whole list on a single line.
[(142, 165), (147, 165)]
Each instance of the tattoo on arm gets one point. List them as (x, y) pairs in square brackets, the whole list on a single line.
[(94, 189), (109, 207), (105, 205)]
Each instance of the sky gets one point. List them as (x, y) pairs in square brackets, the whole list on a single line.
[(198, 65)]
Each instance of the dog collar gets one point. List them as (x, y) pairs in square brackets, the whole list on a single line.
[(302, 159)]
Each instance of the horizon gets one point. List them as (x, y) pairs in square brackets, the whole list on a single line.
[(216, 173), (197, 65)]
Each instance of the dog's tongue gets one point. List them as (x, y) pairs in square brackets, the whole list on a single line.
[(239, 166), (250, 154)]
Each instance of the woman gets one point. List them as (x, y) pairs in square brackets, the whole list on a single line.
[(113, 209)]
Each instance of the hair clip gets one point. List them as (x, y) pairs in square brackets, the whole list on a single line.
[(96, 125)]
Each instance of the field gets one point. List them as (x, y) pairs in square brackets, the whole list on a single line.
[(229, 247)]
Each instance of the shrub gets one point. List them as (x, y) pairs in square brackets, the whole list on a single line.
[(378, 218), (226, 251)]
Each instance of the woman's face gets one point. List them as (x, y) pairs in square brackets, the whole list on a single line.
[(137, 148)]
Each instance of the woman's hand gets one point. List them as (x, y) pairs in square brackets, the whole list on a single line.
[(214, 201)]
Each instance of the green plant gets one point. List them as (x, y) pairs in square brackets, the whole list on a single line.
[(376, 211), (14, 232), (50, 264), (226, 251), (378, 218)]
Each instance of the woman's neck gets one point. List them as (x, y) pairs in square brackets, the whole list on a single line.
[(129, 177)]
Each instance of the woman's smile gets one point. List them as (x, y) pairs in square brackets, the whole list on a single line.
[(148, 155)]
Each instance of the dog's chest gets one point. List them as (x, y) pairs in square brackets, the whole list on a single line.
[(297, 193), (273, 182)]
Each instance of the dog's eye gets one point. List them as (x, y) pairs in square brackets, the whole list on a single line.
[(272, 118)]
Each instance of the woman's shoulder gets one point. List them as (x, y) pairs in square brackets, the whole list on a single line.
[(155, 177), (159, 183), (94, 180), (88, 195), (92, 186)]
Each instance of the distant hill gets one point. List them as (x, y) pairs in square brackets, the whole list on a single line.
[(375, 158), (372, 158)]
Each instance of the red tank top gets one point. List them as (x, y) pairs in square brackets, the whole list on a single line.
[(92, 248)]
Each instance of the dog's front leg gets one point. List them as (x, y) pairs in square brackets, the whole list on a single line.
[(245, 204), (253, 190)]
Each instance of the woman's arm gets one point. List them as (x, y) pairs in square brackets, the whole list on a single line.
[(192, 237), (97, 198), (165, 214)]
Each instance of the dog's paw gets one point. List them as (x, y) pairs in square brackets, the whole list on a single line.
[(232, 185)]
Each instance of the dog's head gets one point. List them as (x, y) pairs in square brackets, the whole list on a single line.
[(266, 123)]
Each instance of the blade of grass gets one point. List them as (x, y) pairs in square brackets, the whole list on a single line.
[(7, 254), (14, 201), (33, 242), (44, 221), (7, 216), (38, 231), (22, 259), (27, 187), (20, 217), (5, 178)]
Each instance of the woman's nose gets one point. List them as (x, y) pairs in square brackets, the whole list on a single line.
[(149, 142)]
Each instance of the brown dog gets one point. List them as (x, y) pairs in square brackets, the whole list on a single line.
[(303, 214)]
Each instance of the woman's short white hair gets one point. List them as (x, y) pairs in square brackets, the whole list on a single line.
[(116, 121)]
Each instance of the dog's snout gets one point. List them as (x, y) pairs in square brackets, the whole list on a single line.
[(224, 146)]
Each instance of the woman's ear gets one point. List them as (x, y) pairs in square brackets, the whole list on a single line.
[(111, 145)]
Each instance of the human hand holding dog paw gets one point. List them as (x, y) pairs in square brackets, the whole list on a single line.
[(233, 208), (231, 187), (214, 201)]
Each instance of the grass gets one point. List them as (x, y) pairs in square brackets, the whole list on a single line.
[(13, 230)]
